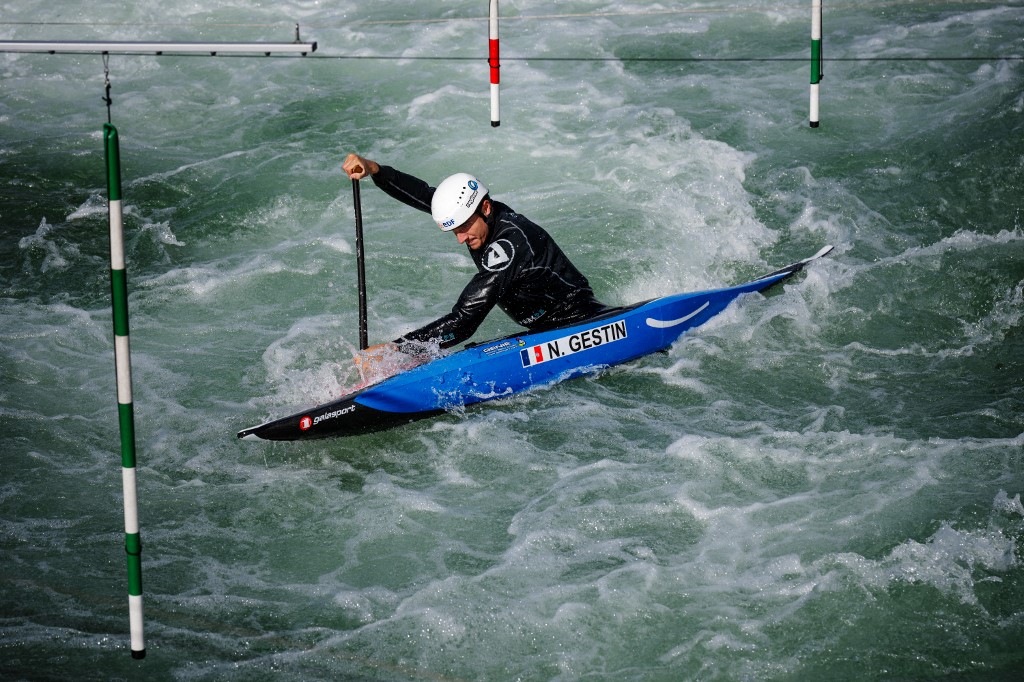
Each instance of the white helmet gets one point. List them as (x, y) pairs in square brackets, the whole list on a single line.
[(455, 200)]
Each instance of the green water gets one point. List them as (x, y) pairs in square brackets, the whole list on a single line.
[(820, 484)]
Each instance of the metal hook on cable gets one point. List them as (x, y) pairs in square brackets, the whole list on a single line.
[(106, 83)]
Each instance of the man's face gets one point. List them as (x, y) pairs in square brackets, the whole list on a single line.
[(474, 231)]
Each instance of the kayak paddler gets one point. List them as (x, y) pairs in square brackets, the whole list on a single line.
[(520, 268)]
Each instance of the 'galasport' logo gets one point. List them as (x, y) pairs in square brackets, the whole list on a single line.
[(307, 422)]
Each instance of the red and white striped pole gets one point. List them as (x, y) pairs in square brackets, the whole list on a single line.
[(492, 61)]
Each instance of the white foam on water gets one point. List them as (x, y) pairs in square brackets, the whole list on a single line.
[(303, 364), (1008, 505), (948, 560), (57, 254)]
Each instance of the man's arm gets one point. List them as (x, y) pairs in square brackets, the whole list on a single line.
[(406, 188), (477, 299)]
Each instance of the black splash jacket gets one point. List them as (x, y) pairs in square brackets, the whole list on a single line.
[(520, 269)]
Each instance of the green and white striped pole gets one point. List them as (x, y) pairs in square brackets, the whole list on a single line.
[(815, 59), (125, 411)]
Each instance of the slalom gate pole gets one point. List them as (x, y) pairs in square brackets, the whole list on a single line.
[(360, 267), (492, 61), (816, 73), (125, 410)]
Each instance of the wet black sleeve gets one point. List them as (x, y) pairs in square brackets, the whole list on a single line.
[(477, 299), (408, 189)]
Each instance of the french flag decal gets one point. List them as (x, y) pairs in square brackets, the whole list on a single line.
[(532, 356)]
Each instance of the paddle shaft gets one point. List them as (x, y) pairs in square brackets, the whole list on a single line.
[(360, 266)]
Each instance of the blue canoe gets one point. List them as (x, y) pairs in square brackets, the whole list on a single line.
[(510, 365)]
